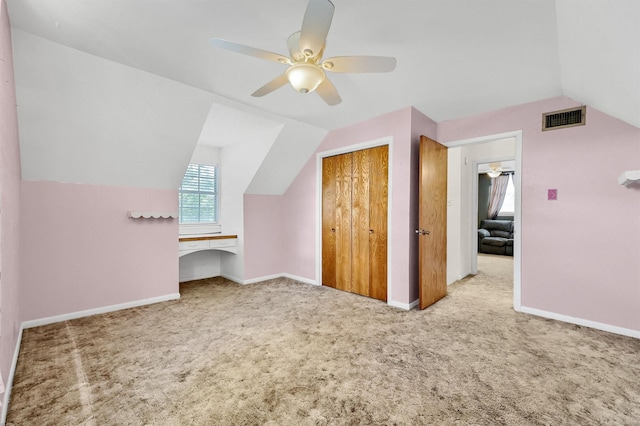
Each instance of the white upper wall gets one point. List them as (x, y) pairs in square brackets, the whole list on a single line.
[(84, 119), (293, 147), (204, 154), (599, 68)]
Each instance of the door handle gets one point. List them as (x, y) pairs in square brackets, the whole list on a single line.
[(371, 231), (422, 232)]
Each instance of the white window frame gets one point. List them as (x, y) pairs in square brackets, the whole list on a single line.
[(201, 228)]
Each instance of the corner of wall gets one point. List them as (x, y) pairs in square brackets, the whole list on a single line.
[(10, 203)]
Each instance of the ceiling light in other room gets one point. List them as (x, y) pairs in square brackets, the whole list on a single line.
[(305, 77), (495, 170)]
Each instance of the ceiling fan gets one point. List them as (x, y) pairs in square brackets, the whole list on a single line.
[(306, 68)]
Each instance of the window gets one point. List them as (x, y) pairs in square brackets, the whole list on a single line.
[(508, 206), (198, 195)]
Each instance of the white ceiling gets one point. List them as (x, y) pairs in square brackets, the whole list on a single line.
[(455, 58)]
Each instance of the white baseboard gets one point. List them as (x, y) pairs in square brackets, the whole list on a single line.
[(101, 310), (405, 306), (301, 279), (9, 382), (274, 276), (579, 321), (263, 278)]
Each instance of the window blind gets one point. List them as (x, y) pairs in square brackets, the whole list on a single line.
[(198, 194)]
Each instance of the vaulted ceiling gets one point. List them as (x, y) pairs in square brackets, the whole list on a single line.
[(455, 58)]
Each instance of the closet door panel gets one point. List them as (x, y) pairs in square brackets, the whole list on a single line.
[(343, 222), (354, 222), (379, 194), (360, 260), (329, 168)]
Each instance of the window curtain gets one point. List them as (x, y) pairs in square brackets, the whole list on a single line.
[(498, 191)]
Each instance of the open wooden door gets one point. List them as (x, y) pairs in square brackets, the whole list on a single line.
[(432, 222)]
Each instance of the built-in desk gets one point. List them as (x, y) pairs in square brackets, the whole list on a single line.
[(193, 243)]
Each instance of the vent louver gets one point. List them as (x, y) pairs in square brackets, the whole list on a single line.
[(564, 118)]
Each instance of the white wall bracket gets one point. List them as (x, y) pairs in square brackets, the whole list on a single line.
[(629, 177), (152, 215)]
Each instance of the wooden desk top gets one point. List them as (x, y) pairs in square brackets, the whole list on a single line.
[(206, 237)]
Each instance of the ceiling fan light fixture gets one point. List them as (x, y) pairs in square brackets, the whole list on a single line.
[(305, 77)]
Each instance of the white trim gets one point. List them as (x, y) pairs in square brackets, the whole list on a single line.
[(9, 382), (517, 241), (405, 306), (259, 280), (517, 227), (387, 140), (579, 321), (101, 310), (480, 139), (301, 279)]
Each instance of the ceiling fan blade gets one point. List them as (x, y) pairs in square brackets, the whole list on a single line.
[(293, 43), (274, 84), (359, 64), (315, 26), (329, 93), (251, 51)]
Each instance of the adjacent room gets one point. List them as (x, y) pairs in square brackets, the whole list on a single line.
[(319, 212)]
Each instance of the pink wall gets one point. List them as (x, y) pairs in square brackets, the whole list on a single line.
[(580, 254), (263, 239), (79, 250), (9, 201), (300, 202)]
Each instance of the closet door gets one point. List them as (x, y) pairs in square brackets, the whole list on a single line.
[(360, 261), (336, 221), (354, 222), (329, 191), (369, 222), (378, 201)]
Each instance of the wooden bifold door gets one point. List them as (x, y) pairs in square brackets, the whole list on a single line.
[(354, 221)]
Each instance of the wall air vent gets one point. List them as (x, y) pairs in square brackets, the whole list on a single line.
[(564, 118)]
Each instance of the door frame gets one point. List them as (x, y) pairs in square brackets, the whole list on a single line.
[(344, 150), (517, 240)]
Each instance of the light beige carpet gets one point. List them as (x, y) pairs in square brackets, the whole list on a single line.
[(285, 353)]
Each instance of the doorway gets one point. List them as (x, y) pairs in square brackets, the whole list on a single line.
[(463, 250)]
